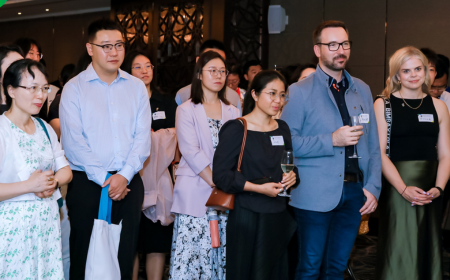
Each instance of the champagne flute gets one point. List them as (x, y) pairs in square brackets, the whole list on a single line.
[(287, 164), (354, 121)]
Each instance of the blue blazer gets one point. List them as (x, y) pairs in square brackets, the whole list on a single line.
[(312, 115)]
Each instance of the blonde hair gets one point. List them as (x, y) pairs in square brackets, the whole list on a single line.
[(395, 63)]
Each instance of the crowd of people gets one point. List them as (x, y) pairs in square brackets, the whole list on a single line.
[(105, 125)]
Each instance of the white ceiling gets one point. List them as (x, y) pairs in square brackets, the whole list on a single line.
[(30, 9)]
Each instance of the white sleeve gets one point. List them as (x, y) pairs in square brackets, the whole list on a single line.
[(58, 152)]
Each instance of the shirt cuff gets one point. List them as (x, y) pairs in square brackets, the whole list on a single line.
[(127, 172)]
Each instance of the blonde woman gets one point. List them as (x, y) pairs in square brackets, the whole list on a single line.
[(415, 171)]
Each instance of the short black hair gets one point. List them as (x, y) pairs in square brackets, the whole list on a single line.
[(235, 69), (249, 64), (197, 95), (13, 75), (66, 73), (261, 80), (82, 64), (26, 43), (212, 44), (102, 24), (442, 66), (430, 55), (4, 52)]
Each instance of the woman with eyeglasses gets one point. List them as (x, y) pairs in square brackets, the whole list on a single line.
[(259, 227), (198, 122), (32, 167), (155, 237), (30, 48)]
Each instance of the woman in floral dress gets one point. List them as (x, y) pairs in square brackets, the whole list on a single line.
[(197, 124), (30, 154)]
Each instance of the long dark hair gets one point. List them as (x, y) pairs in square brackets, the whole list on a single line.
[(196, 88), (261, 80), (13, 75), (128, 63)]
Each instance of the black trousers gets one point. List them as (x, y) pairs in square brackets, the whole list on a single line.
[(83, 199)]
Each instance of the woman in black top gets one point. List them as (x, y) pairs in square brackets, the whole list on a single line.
[(259, 228), (416, 167), (154, 238)]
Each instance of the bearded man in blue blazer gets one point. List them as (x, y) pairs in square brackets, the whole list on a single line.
[(335, 189)]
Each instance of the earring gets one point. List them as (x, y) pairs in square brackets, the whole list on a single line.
[(198, 76)]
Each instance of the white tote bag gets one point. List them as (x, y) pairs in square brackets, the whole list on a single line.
[(102, 262)]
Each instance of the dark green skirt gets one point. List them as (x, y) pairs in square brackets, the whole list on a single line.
[(409, 240)]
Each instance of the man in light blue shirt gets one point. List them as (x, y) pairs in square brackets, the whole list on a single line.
[(105, 128)]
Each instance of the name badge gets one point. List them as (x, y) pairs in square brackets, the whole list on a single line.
[(160, 115), (363, 118), (426, 118), (277, 140)]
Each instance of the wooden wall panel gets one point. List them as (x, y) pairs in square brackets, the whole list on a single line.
[(62, 39)]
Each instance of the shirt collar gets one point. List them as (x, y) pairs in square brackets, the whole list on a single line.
[(329, 80), (92, 75)]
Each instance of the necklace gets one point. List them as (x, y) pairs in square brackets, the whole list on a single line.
[(408, 104)]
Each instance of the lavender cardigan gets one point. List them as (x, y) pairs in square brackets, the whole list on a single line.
[(194, 139)]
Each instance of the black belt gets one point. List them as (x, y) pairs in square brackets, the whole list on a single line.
[(348, 177)]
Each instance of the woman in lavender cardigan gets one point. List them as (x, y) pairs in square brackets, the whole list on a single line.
[(197, 125)]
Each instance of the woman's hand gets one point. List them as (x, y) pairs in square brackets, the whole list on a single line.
[(40, 183), (416, 196), (433, 193), (289, 179), (270, 189)]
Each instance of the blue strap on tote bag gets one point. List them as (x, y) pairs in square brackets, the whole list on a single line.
[(102, 261)]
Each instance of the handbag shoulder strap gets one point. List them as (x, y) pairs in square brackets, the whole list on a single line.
[(244, 139), (45, 129), (388, 117)]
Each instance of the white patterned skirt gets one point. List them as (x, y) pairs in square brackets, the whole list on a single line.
[(192, 255), (30, 240)]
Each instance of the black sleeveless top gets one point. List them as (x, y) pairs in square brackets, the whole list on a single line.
[(412, 139)]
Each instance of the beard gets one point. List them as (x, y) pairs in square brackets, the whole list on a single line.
[(336, 66)]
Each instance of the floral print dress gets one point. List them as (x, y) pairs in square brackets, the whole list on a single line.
[(192, 256), (30, 234)]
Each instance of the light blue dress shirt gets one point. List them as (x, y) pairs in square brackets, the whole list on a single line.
[(105, 127)]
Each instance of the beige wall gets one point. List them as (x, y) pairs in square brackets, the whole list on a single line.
[(62, 39), (409, 22)]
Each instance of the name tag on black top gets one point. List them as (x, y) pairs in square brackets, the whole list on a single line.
[(277, 140), (160, 115), (426, 118)]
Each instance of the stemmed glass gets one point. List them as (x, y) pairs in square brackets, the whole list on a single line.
[(354, 121), (287, 164)]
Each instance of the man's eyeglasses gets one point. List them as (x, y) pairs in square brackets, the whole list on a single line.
[(140, 68), (34, 89), (108, 47), (334, 46), (216, 72)]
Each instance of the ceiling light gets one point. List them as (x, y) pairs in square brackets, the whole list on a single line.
[(19, 13), (47, 10)]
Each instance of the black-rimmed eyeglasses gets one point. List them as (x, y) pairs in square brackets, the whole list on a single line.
[(334, 46), (108, 47)]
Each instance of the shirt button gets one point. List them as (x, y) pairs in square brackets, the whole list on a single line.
[(341, 153), (113, 119), (111, 103), (340, 175), (116, 136)]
